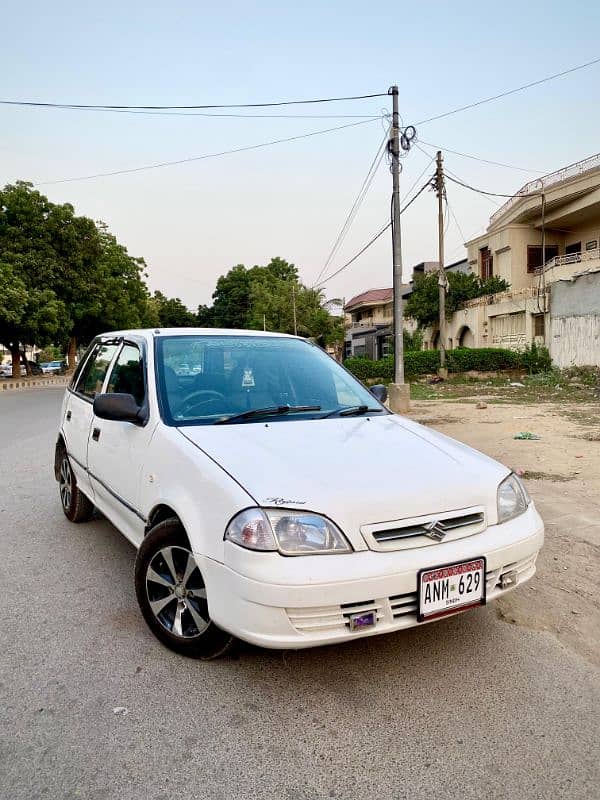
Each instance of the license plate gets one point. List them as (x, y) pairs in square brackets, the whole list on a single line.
[(450, 588)]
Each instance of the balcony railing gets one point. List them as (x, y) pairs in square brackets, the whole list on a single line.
[(572, 258), (539, 185)]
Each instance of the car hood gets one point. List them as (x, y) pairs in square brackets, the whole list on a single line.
[(355, 470)]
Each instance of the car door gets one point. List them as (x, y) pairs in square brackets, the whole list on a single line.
[(78, 411), (116, 449)]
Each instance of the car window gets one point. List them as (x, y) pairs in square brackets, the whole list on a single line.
[(202, 378), (93, 374), (127, 375)]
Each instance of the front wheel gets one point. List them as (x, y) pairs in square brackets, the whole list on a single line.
[(172, 596)]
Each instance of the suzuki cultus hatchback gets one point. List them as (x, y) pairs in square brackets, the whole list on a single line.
[(273, 498)]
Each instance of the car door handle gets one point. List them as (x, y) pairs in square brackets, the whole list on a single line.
[(68, 415), (96, 434)]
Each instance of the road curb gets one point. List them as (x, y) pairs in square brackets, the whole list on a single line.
[(36, 383)]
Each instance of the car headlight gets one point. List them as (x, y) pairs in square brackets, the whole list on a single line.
[(512, 498), (292, 533)]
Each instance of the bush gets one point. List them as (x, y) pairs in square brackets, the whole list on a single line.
[(425, 362), (535, 359), (482, 359)]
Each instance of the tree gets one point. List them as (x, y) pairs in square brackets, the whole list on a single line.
[(63, 277), (231, 299), (33, 251), (423, 302), (109, 294), (172, 313)]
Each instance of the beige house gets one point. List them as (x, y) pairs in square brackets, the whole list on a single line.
[(549, 231)]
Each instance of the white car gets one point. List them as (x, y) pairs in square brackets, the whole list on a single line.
[(273, 498)]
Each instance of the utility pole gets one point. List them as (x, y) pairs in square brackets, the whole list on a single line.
[(294, 307), (399, 391), (442, 279)]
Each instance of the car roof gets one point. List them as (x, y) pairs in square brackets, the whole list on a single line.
[(152, 333)]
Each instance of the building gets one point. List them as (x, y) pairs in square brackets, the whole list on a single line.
[(370, 315), (549, 231), (368, 319)]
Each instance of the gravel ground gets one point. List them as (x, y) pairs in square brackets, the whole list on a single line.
[(469, 707)]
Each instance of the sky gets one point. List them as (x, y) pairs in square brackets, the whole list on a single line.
[(193, 221)]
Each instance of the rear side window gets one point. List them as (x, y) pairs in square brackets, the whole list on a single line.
[(92, 376), (127, 375)]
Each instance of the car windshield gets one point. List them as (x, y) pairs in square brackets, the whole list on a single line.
[(206, 379)]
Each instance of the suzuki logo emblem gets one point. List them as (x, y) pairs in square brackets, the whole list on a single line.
[(435, 530)]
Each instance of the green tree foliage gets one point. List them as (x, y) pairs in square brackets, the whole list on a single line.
[(266, 296), (63, 278), (171, 312), (423, 303)]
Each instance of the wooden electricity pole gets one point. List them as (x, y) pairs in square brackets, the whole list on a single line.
[(442, 279)]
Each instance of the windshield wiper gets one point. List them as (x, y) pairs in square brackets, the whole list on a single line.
[(265, 412), (352, 411)]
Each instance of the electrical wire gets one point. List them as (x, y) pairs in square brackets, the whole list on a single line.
[(206, 156), (134, 113), (112, 107), (451, 210), (362, 192), (450, 177), (373, 239), (483, 160), (510, 91)]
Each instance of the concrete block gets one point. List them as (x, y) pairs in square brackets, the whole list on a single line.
[(399, 397)]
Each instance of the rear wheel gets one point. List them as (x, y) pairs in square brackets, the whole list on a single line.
[(76, 505), (172, 596)]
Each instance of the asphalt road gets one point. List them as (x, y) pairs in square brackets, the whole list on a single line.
[(469, 707)]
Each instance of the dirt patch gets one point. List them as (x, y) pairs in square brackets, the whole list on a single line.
[(591, 436), (438, 420), (532, 475), (562, 473)]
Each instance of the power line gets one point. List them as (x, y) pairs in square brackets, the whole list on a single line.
[(362, 193), (373, 240), (191, 114), (483, 191), (112, 107), (208, 155), (510, 91), (477, 158)]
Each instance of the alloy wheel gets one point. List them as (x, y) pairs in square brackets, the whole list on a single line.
[(176, 592), (65, 482)]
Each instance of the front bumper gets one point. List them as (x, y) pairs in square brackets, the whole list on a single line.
[(278, 602)]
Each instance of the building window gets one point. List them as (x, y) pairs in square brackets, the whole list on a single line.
[(534, 255), (487, 263), (593, 245), (574, 247), (538, 325)]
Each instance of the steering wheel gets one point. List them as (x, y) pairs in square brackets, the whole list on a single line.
[(208, 394)]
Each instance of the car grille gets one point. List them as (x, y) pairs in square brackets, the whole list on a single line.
[(411, 533)]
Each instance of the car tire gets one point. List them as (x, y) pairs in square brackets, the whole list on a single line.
[(75, 504), (172, 596)]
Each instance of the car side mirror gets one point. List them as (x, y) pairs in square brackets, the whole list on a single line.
[(116, 406), (380, 392)]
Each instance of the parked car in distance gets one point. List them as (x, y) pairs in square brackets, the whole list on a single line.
[(52, 367), (6, 370), (248, 492)]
